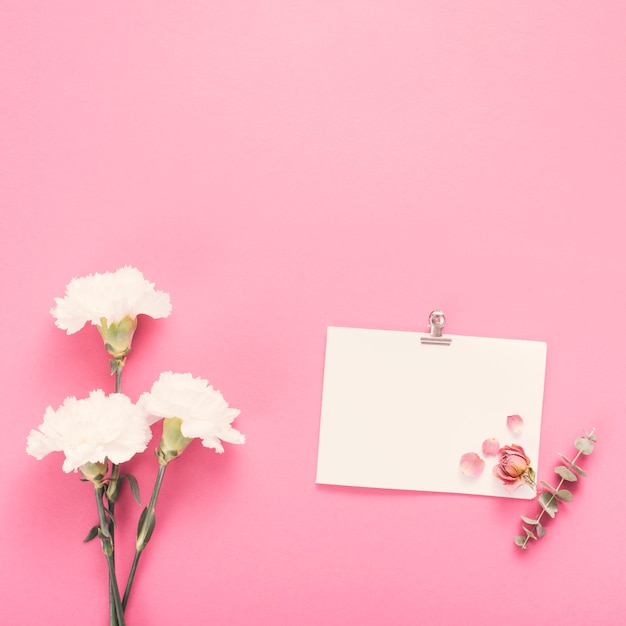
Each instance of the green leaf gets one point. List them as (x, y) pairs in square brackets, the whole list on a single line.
[(540, 530), (521, 541), (134, 486), (584, 445), (111, 519), (145, 528), (564, 495), (565, 474), (548, 503), (92, 534), (528, 520), (112, 490), (550, 488), (577, 469)]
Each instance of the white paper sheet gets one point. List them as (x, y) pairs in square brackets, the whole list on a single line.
[(399, 414)]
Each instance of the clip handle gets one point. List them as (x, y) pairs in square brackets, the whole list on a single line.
[(436, 321)]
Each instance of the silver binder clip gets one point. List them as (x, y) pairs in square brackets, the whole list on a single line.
[(436, 321)]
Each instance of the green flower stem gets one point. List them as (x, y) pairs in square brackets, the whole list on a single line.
[(144, 530), (111, 495), (118, 366), (116, 612), (112, 607), (115, 470)]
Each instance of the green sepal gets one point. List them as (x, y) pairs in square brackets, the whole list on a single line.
[(548, 503), (118, 336), (173, 442), (92, 534), (565, 473), (121, 354), (564, 495)]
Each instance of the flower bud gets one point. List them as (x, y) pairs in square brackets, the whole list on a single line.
[(173, 442), (145, 528), (118, 336), (514, 468)]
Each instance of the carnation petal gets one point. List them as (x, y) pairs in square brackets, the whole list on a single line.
[(213, 442), (69, 316), (125, 428), (38, 445)]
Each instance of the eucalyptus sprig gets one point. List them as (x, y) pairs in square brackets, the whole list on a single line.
[(549, 499)]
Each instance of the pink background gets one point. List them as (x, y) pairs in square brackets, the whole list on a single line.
[(279, 167)]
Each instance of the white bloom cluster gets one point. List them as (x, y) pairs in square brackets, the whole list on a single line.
[(112, 297), (92, 430), (202, 410)]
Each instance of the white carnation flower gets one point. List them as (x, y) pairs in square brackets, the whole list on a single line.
[(112, 302), (91, 430), (112, 296), (201, 410)]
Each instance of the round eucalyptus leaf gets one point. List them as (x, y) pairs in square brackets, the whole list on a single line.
[(584, 445), (565, 473), (565, 495)]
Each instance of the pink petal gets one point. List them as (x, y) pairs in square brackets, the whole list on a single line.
[(491, 446), (515, 423), (471, 465)]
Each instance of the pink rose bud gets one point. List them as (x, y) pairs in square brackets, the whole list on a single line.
[(513, 468), (491, 446), (471, 465), (515, 423)]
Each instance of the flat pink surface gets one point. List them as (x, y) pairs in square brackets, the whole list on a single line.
[(279, 167)]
